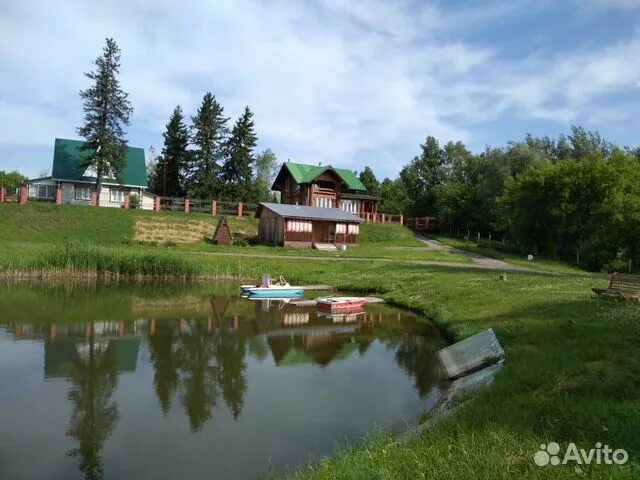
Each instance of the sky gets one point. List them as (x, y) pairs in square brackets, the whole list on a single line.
[(340, 82)]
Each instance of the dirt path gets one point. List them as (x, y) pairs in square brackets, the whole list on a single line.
[(477, 259)]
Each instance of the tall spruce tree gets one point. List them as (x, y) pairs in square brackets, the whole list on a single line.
[(106, 110), (208, 134), (237, 171), (169, 169)]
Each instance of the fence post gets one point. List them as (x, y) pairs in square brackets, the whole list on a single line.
[(240, 209), (58, 195), (214, 208), (367, 217), (127, 201), (156, 204), (94, 198), (489, 240), (478, 238), (402, 220), (2, 194), (187, 205), (384, 218), (24, 195)]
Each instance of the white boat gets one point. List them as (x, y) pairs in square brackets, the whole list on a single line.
[(280, 289)]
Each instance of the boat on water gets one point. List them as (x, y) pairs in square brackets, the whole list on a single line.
[(340, 304), (280, 292), (281, 289)]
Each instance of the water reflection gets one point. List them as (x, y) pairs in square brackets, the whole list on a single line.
[(198, 347)]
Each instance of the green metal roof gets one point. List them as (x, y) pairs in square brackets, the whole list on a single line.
[(68, 156), (307, 173)]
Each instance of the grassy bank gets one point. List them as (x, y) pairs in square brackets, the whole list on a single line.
[(572, 371), (538, 263)]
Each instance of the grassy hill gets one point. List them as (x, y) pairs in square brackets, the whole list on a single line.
[(36, 229), (46, 223)]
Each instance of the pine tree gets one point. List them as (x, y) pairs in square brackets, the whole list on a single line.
[(237, 171), (106, 110), (208, 134), (175, 156)]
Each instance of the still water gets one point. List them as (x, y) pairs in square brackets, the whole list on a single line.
[(190, 381)]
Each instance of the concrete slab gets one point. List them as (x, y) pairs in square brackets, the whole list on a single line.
[(470, 354)]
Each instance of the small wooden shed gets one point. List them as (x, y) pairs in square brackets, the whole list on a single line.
[(223, 235), (302, 226)]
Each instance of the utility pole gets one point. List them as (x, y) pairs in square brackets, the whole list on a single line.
[(164, 179)]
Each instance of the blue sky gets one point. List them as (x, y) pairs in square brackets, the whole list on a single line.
[(342, 82)]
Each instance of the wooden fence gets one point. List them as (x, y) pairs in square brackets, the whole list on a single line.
[(382, 218), (424, 224)]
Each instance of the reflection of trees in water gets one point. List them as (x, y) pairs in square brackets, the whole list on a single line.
[(417, 357), (199, 375), (415, 343), (201, 365), (94, 415), (161, 348)]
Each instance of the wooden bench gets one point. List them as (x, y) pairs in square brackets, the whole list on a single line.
[(622, 285)]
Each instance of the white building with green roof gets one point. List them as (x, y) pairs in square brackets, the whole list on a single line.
[(76, 183)]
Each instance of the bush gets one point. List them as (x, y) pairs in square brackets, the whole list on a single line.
[(134, 200)]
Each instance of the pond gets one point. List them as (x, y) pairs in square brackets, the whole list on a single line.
[(190, 381)]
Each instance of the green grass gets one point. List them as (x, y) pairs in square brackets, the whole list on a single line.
[(27, 230), (537, 263), (48, 223), (572, 372), (387, 234)]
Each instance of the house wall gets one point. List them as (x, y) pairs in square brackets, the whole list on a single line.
[(69, 194), (148, 201), (271, 228)]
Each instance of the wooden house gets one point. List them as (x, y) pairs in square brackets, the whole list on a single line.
[(324, 187), (303, 226)]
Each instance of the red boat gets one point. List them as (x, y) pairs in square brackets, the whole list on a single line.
[(340, 304)]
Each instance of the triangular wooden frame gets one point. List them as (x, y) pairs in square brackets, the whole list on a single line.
[(223, 235)]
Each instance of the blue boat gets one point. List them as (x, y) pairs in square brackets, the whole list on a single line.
[(275, 291)]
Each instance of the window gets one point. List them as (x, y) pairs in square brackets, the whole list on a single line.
[(324, 202), (116, 196), (352, 206), (42, 191), (83, 193)]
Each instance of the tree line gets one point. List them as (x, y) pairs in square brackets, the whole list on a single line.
[(575, 197), (206, 159)]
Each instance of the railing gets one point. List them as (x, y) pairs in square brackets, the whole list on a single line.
[(382, 218), (160, 204), (172, 204), (423, 224)]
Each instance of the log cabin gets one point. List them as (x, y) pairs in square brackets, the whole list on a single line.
[(324, 187)]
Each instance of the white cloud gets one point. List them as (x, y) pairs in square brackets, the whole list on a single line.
[(328, 81)]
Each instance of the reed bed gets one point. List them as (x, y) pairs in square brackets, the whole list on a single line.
[(82, 259)]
